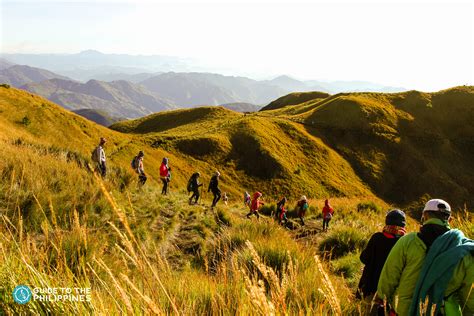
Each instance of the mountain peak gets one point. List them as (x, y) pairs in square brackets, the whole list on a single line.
[(90, 52)]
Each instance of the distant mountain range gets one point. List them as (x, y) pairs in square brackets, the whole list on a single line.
[(117, 98), (192, 89), (132, 86)]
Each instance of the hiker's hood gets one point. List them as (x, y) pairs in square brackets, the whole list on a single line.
[(165, 161), (257, 195), (326, 203)]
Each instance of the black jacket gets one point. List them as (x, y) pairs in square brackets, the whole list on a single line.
[(214, 184), (374, 257)]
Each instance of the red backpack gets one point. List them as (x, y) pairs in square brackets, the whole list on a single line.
[(163, 170)]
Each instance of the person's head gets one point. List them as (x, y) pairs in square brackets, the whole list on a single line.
[(165, 161), (102, 141), (283, 199), (436, 208), (141, 154), (217, 174), (395, 218), (303, 198), (326, 202), (257, 195), (197, 174)]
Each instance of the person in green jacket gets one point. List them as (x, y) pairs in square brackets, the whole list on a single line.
[(434, 266)]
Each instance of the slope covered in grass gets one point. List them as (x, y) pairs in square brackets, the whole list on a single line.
[(272, 154), (143, 253), (294, 99), (403, 145)]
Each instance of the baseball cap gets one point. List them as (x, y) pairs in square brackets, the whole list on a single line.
[(437, 205)]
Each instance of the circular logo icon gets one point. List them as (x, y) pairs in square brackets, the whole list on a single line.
[(22, 294)]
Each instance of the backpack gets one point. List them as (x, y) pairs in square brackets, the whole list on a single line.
[(164, 170), (190, 186), (134, 163), (95, 155)]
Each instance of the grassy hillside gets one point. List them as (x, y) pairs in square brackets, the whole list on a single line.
[(272, 154), (142, 253), (294, 98)]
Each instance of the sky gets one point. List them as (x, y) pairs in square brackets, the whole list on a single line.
[(424, 45)]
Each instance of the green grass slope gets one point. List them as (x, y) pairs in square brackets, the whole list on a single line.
[(294, 99), (271, 154), (403, 145), (142, 253)]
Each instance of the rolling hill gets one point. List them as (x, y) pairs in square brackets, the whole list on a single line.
[(383, 137), (117, 98), (19, 75), (141, 252)]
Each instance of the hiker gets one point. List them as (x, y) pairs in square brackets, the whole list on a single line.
[(376, 252), (256, 203), (435, 265), (302, 206), (214, 188), (98, 156), (165, 175), (280, 213), (225, 198), (280, 206), (193, 186), (247, 200), (328, 211), (137, 165)]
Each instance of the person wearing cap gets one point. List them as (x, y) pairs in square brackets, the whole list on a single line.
[(376, 252), (302, 206), (433, 267), (214, 188), (98, 157), (140, 168)]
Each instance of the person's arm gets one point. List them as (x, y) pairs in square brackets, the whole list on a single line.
[(465, 294), (392, 270)]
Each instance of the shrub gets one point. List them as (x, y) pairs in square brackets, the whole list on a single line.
[(5, 85), (268, 209), (342, 241), (347, 266), (26, 121), (224, 217)]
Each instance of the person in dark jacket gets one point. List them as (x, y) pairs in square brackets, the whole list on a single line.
[(194, 186), (377, 250), (280, 210), (214, 188)]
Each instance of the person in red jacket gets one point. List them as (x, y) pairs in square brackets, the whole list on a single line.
[(255, 205), (327, 215), (165, 175)]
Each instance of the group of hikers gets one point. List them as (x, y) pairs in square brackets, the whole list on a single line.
[(253, 203), (430, 272)]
